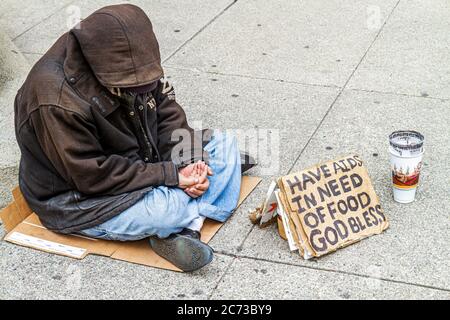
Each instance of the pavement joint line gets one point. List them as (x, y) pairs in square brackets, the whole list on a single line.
[(252, 77), (241, 245), (29, 52), (398, 94), (299, 83), (239, 248), (331, 271), (44, 19), (225, 272), (200, 30), (345, 85)]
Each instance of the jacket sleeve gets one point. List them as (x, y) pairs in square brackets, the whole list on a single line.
[(177, 141), (72, 146)]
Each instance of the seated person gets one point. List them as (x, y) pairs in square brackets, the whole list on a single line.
[(107, 152)]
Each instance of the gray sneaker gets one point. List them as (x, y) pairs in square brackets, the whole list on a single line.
[(184, 250)]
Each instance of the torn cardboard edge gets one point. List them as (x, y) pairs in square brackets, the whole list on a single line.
[(24, 228), (292, 225)]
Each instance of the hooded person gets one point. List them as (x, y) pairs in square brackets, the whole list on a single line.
[(106, 151)]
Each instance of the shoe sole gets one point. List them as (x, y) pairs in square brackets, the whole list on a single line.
[(185, 253)]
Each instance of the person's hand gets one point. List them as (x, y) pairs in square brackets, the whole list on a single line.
[(199, 188), (186, 176), (200, 170), (200, 165), (186, 182), (187, 171), (203, 166)]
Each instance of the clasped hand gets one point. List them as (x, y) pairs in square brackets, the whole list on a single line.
[(193, 179)]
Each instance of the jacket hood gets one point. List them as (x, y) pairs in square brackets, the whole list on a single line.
[(118, 44)]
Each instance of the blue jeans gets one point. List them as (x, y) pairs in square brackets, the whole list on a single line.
[(166, 210)]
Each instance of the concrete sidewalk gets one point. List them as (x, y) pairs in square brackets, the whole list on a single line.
[(332, 78)]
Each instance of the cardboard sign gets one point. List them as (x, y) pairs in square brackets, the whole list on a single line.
[(330, 205), (25, 229)]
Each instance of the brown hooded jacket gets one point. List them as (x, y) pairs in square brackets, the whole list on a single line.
[(86, 154)]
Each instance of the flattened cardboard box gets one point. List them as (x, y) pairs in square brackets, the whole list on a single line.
[(326, 207), (25, 229)]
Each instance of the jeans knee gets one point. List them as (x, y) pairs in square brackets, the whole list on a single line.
[(165, 207), (226, 141)]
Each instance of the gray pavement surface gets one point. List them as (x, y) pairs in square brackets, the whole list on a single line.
[(328, 78)]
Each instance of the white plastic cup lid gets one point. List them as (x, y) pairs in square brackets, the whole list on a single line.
[(406, 142)]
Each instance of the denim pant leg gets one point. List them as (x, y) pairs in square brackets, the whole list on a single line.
[(164, 211), (222, 196)]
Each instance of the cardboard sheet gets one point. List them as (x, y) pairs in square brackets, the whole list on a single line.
[(25, 229)]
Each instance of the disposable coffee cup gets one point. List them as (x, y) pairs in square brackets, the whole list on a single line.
[(406, 151)]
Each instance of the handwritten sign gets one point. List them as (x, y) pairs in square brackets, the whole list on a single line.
[(331, 205)]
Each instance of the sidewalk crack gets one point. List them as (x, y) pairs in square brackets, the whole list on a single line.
[(44, 19), (355, 274), (200, 31), (343, 88), (221, 277), (251, 77)]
